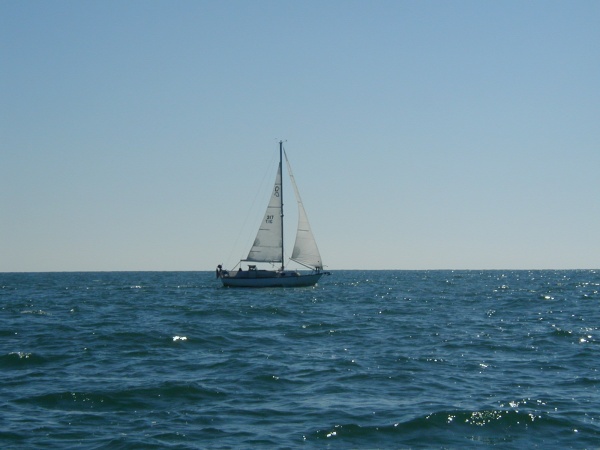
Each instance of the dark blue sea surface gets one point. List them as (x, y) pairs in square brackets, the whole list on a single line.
[(366, 359)]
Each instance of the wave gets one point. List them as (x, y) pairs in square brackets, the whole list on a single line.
[(21, 359), (126, 399), (460, 428)]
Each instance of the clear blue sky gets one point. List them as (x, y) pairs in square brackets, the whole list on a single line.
[(423, 134)]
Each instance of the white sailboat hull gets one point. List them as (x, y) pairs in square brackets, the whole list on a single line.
[(267, 278)]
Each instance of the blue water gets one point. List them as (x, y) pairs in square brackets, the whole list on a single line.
[(366, 359)]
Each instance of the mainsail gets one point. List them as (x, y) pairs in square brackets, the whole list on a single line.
[(268, 244), (305, 248)]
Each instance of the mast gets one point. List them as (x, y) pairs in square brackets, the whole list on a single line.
[(281, 201)]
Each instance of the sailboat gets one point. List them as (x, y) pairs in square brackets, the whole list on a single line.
[(268, 246)]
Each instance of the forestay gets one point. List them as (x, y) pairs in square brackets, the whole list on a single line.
[(305, 248)]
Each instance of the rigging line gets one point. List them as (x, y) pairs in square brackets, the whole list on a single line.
[(244, 228), (302, 264), (294, 212)]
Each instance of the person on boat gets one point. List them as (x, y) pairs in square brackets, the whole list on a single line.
[(219, 267)]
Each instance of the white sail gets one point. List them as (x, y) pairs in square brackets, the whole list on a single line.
[(268, 243), (305, 248)]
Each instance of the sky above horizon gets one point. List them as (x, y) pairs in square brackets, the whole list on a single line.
[(422, 134)]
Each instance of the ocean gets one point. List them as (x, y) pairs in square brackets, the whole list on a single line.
[(366, 359)]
